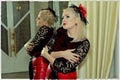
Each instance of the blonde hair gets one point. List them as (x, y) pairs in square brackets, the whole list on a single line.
[(48, 17), (80, 33)]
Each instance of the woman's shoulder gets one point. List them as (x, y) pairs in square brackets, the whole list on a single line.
[(45, 28), (86, 41)]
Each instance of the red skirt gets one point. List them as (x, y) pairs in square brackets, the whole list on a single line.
[(40, 65), (60, 75), (70, 75)]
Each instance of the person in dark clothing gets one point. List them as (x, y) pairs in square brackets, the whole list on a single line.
[(38, 65), (69, 45)]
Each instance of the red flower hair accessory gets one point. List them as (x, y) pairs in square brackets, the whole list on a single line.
[(83, 11)]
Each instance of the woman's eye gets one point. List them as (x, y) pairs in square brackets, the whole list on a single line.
[(67, 16)]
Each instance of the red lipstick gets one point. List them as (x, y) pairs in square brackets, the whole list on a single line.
[(64, 23)]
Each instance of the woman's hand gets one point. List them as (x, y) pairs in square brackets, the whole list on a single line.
[(46, 55), (67, 54), (29, 46), (72, 57), (44, 51)]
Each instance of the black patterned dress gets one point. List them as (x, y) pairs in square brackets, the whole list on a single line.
[(60, 42), (38, 63)]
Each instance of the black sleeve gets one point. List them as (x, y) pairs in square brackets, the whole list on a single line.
[(40, 39), (40, 35), (65, 66), (51, 42)]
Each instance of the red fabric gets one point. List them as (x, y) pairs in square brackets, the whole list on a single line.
[(63, 42), (83, 11), (71, 75), (48, 72), (39, 67)]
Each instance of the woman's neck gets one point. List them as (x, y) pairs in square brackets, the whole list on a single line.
[(46, 25), (71, 32)]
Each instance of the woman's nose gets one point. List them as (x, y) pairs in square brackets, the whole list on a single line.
[(63, 21)]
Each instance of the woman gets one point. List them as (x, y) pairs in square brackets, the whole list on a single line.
[(72, 35), (38, 65)]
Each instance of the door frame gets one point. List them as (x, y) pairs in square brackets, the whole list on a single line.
[(20, 61)]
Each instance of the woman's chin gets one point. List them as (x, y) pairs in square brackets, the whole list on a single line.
[(64, 27)]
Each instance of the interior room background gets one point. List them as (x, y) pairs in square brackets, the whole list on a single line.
[(18, 27)]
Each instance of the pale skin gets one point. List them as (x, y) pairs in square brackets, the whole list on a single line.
[(72, 57), (51, 58), (68, 23)]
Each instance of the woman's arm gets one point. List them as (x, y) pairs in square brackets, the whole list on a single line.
[(66, 66), (41, 38), (29, 46), (67, 54), (61, 54), (46, 55)]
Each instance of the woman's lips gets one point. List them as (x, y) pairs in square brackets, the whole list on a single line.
[(64, 23)]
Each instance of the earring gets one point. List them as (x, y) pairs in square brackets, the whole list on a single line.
[(75, 24)]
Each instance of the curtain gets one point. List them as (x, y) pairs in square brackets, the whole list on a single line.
[(102, 19)]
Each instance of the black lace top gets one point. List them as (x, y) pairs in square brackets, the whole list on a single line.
[(60, 41), (41, 39)]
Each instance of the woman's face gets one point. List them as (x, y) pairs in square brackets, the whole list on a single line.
[(39, 20), (69, 18)]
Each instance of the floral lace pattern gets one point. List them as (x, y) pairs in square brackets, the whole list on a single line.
[(41, 39), (40, 35), (65, 66)]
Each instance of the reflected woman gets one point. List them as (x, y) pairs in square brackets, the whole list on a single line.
[(38, 65)]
